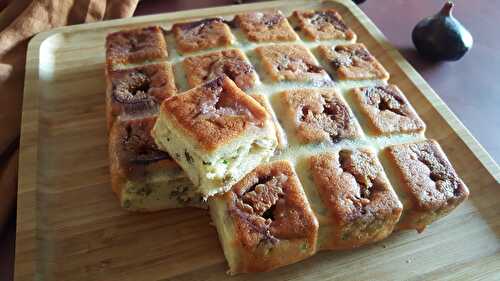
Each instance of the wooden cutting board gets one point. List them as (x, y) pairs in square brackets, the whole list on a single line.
[(70, 227)]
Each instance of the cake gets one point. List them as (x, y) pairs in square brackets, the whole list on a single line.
[(425, 181), (317, 115), (231, 62), (387, 110), (325, 24), (216, 133), (361, 206), (280, 134), (267, 26), (201, 35), (265, 220), (353, 62)]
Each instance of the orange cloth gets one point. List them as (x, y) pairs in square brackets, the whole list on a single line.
[(19, 21)]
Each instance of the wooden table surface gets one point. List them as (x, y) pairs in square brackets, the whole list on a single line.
[(469, 86)]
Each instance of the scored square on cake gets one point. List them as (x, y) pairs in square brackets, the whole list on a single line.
[(361, 206), (267, 26), (318, 115), (232, 62), (138, 91), (425, 181), (387, 111), (353, 62), (291, 63), (326, 24), (143, 177), (265, 220), (216, 133), (201, 35), (135, 46)]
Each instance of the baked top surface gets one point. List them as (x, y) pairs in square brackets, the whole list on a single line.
[(429, 179), (231, 62), (319, 115), (291, 62), (266, 26), (136, 46), (268, 205), (323, 25), (141, 89), (387, 110), (201, 35), (215, 113), (353, 62)]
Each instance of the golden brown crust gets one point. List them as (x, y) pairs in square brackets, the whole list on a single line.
[(387, 110), (325, 24), (215, 113), (268, 207), (319, 115), (138, 91), (291, 63), (200, 69), (265, 26), (353, 62), (362, 206), (430, 183), (202, 34), (135, 46)]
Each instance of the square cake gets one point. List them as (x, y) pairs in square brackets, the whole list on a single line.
[(317, 115), (291, 63), (387, 111), (353, 62), (216, 133), (135, 46), (265, 220), (201, 35), (138, 91), (326, 24), (143, 177), (361, 205), (268, 26), (425, 181), (232, 62)]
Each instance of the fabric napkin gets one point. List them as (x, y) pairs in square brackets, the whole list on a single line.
[(19, 21)]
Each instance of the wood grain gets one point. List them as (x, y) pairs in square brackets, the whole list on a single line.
[(70, 226)]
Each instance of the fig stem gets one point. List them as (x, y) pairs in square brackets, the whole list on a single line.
[(447, 8)]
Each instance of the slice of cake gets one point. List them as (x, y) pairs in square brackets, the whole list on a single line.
[(268, 26), (201, 35), (216, 133), (143, 177), (425, 181), (326, 24), (232, 62), (387, 111), (361, 205), (265, 220), (353, 62), (138, 91), (135, 46), (318, 115), (291, 63)]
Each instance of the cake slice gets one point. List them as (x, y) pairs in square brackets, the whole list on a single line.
[(326, 24), (216, 133), (361, 206), (143, 177), (267, 26), (201, 35), (387, 111), (265, 220), (425, 181), (353, 62), (135, 46)]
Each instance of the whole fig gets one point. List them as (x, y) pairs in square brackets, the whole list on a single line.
[(442, 37)]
